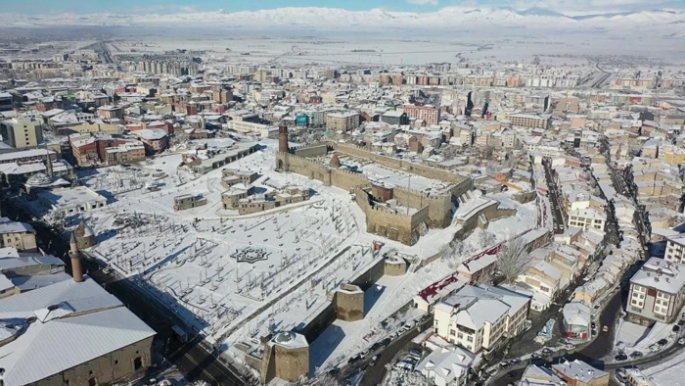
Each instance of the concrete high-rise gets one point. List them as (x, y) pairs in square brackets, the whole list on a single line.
[(22, 132)]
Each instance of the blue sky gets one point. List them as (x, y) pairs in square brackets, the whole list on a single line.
[(172, 6)]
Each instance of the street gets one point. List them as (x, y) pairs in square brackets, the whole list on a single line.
[(374, 374), (559, 225)]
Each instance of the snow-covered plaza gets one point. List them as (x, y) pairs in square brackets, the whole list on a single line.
[(236, 278)]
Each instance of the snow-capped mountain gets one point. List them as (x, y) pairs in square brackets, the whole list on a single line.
[(450, 18)]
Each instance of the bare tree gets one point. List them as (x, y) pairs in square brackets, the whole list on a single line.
[(326, 379), (512, 259), (453, 253), (487, 239)]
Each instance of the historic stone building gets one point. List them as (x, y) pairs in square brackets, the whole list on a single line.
[(395, 212), (84, 235), (286, 356)]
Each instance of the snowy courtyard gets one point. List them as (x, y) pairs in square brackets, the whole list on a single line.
[(236, 278)]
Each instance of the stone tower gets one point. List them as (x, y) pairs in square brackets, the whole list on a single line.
[(49, 165), (335, 161), (283, 139), (75, 255), (84, 236)]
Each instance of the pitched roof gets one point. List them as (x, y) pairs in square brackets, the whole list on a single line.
[(73, 323)]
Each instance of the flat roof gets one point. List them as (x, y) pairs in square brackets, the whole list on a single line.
[(71, 196), (11, 157), (661, 275)]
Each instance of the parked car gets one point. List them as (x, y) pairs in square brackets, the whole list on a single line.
[(621, 357), (385, 342), (374, 360), (662, 342), (605, 329), (354, 359), (405, 365), (654, 348), (681, 341), (636, 354)]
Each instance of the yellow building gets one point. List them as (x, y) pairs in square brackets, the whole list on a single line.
[(22, 132)]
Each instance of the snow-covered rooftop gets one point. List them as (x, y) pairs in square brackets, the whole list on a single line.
[(54, 343)]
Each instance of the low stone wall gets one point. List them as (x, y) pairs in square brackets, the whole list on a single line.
[(524, 197)]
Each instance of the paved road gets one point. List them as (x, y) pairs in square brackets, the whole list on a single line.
[(604, 342), (559, 225), (374, 374)]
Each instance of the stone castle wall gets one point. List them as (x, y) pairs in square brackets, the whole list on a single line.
[(349, 305), (319, 150), (348, 180), (491, 213), (439, 207), (403, 228), (398, 164), (435, 211), (291, 363)]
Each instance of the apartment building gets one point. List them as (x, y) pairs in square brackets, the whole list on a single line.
[(21, 132), (675, 249), (111, 112), (589, 218), (531, 121), (544, 280), (429, 114), (481, 317), (125, 151), (155, 141), (17, 235), (342, 121), (657, 292), (508, 139)]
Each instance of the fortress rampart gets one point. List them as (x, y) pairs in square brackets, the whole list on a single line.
[(430, 210)]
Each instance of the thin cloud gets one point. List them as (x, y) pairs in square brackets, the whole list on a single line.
[(579, 7), (423, 2), (169, 8)]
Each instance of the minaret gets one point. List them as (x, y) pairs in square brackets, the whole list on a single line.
[(76, 269), (49, 162), (283, 139)]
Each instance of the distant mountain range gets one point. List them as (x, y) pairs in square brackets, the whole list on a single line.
[(663, 22)]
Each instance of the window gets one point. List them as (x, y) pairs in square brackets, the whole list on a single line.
[(460, 335), (116, 362), (137, 363), (452, 332), (470, 339)]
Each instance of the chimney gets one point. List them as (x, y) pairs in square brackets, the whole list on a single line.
[(283, 139), (76, 269)]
